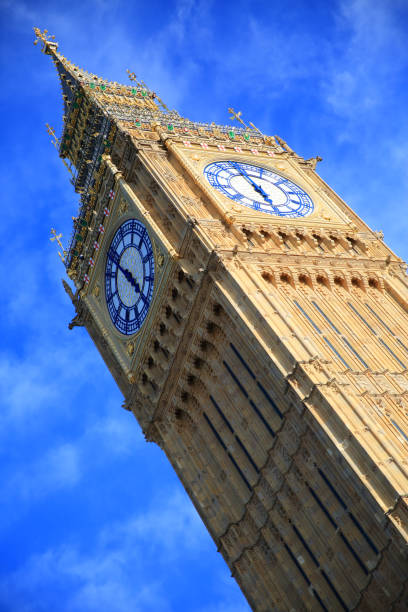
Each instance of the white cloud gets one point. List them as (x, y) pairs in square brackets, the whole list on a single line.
[(125, 569), (56, 469), (362, 70), (170, 526)]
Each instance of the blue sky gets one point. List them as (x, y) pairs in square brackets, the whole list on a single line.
[(91, 516)]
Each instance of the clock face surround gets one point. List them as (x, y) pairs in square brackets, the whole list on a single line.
[(258, 188), (129, 276)]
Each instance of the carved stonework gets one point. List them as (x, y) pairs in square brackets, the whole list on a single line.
[(123, 207), (272, 361), (130, 347)]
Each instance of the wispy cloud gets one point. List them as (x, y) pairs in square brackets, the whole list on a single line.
[(56, 469), (361, 76), (330, 79), (124, 570)]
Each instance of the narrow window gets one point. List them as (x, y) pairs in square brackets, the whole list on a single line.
[(386, 327), (241, 387), (344, 505), (270, 400), (215, 432), (329, 344), (246, 366), (218, 438), (307, 317), (335, 591), (251, 461), (244, 391), (399, 429), (224, 418), (376, 335), (333, 522), (261, 417), (218, 409), (346, 342)]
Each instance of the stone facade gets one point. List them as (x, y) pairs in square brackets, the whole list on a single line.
[(272, 368)]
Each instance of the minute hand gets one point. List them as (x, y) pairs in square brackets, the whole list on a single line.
[(127, 274), (129, 277), (257, 188)]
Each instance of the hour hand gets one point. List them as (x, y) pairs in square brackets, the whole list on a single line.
[(257, 188), (129, 277)]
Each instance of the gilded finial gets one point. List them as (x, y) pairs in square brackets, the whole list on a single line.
[(162, 103), (55, 141), (51, 132), (132, 76), (57, 237), (255, 128), (236, 116), (44, 36)]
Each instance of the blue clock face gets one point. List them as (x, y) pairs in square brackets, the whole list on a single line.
[(259, 189), (129, 276)]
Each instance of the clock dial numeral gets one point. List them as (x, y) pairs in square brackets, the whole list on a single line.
[(113, 256), (259, 188), (129, 276)]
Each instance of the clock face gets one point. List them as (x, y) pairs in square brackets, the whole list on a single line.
[(259, 189), (129, 276)]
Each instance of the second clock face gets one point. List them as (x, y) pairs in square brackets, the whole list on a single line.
[(258, 188), (129, 276)]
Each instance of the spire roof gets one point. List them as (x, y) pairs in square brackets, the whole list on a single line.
[(72, 76)]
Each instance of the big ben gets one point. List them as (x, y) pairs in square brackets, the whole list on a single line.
[(258, 330)]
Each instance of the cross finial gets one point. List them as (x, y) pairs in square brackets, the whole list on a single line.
[(55, 141), (51, 131), (44, 36), (57, 237), (236, 116), (132, 76)]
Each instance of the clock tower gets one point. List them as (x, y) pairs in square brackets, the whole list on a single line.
[(258, 330)]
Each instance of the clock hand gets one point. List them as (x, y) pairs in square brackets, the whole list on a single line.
[(127, 274), (257, 188)]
